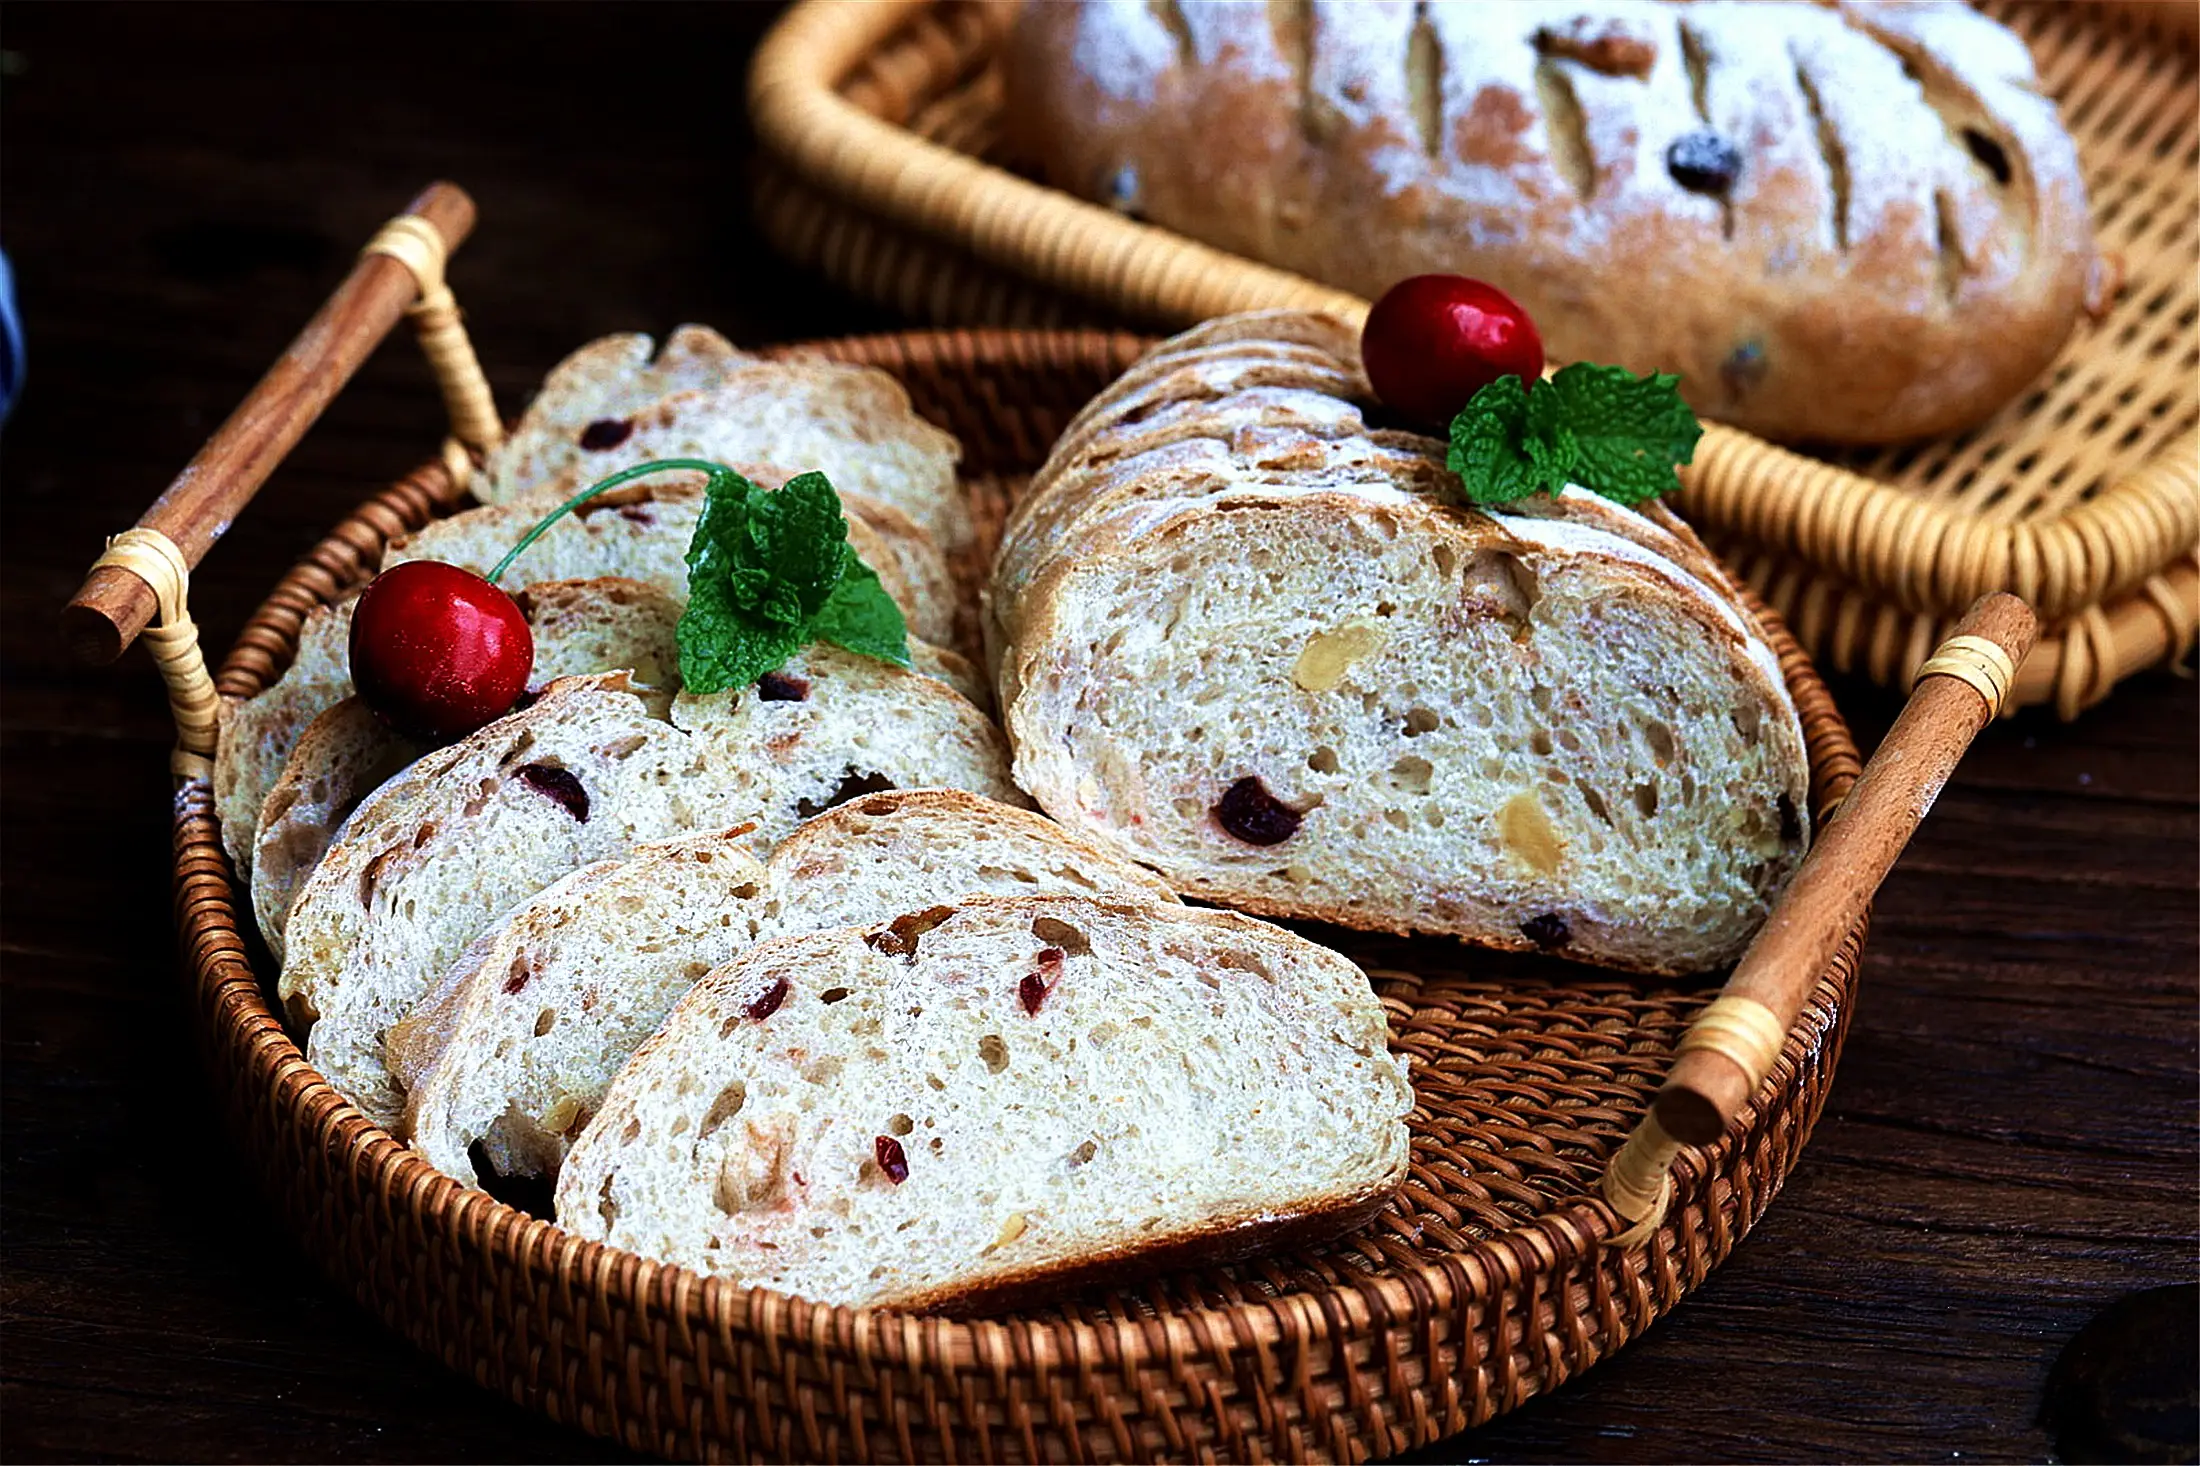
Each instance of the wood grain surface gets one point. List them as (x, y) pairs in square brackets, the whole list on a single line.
[(2010, 1144)]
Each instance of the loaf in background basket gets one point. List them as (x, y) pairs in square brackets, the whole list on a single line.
[(1855, 224)]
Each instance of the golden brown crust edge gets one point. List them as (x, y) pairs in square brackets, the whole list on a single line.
[(1221, 1240)]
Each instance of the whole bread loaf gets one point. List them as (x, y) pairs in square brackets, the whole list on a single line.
[(583, 774), (1015, 1096), (513, 1049), (1276, 658), (1856, 222)]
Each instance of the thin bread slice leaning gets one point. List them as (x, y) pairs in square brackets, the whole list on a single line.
[(435, 855), (1004, 1100), (513, 1049), (1302, 677), (515, 1046)]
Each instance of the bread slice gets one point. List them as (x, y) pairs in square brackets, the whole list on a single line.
[(905, 850), (1282, 662), (773, 420), (640, 534), (586, 772), (603, 382), (1003, 1099), (579, 626), (515, 1046)]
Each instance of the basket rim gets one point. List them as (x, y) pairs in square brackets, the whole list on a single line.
[(1919, 552), (1553, 1241)]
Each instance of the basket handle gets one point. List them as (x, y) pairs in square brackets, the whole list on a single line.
[(145, 571), (1731, 1048), (402, 268)]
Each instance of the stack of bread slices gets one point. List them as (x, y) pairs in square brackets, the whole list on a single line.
[(787, 982), (790, 984)]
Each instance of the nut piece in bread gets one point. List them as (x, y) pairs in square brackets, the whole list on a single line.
[(1300, 677), (516, 1045), (1854, 222), (1007, 1098)]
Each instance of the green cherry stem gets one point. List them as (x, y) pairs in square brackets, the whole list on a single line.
[(623, 476)]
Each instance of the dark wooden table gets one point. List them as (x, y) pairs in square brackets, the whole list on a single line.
[(2010, 1145)]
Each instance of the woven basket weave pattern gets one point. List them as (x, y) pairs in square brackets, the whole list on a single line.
[(1484, 1285), (2083, 496)]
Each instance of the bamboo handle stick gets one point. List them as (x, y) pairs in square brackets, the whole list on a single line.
[(114, 605), (1852, 855)]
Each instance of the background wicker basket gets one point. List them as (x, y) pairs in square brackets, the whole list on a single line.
[(2083, 496), (1489, 1282)]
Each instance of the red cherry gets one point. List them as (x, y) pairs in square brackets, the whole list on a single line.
[(438, 651), (1434, 341)]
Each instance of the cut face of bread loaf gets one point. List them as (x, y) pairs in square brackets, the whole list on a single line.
[(585, 773), (1009, 1096), (640, 534), (1337, 692), (517, 1043), (1861, 222)]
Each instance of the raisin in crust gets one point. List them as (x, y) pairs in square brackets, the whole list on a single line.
[(1853, 222)]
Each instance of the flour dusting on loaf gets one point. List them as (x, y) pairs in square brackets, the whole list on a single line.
[(1859, 222)]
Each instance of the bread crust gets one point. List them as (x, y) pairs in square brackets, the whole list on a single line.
[(1904, 247)]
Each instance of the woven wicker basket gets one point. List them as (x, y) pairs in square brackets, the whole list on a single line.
[(1500, 1270), (2083, 496)]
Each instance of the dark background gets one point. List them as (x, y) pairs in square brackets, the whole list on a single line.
[(2011, 1143)]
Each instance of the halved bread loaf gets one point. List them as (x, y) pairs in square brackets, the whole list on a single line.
[(1279, 660), (641, 534), (585, 773), (515, 1046), (1010, 1096)]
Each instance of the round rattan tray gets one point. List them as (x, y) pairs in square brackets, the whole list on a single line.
[(1489, 1281)]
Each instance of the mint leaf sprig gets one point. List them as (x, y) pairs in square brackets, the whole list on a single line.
[(1601, 427), (769, 572)]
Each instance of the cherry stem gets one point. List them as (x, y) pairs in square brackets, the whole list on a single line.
[(623, 476)]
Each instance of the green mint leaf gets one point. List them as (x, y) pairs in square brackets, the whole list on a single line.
[(808, 540), (1489, 448), (1629, 432), (722, 645), (863, 618), (770, 572)]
